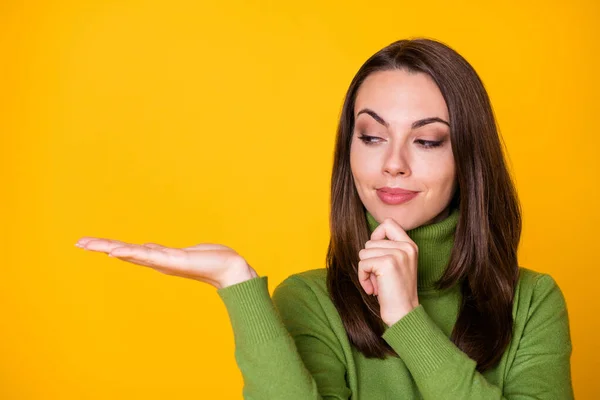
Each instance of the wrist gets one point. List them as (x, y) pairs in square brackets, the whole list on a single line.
[(238, 273), (400, 313), (234, 280)]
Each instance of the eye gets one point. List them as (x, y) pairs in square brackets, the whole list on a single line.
[(368, 139), (428, 144)]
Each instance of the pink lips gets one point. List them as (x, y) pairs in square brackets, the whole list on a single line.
[(393, 196)]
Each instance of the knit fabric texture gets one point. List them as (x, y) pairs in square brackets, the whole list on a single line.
[(292, 344)]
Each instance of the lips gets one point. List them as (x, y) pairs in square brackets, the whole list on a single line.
[(394, 196), (396, 190)]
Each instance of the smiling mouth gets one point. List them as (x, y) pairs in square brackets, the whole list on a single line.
[(400, 197)]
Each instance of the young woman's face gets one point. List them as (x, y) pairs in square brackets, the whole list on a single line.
[(406, 117)]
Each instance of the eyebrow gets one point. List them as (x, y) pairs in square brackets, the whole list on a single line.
[(415, 125)]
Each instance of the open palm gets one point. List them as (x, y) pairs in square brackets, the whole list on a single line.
[(212, 263)]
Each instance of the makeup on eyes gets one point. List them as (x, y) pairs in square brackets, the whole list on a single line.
[(435, 129), (427, 144)]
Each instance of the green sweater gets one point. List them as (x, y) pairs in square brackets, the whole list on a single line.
[(294, 346)]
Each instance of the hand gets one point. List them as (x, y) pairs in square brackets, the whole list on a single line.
[(215, 264), (388, 270)]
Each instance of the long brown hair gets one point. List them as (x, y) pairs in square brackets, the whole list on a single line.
[(483, 260)]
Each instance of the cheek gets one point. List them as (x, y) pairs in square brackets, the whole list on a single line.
[(447, 180), (362, 164), (439, 176)]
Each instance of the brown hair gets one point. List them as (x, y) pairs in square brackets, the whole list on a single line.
[(483, 260)]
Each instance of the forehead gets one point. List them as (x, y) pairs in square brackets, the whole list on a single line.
[(399, 96)]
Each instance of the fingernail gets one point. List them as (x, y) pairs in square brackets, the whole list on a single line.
[(78, 245)]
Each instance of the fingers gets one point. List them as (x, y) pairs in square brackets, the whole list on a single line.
[(392, 244), (149, 254), (401, 251), (392, 230), (157, 257), (212, 263), (366, 270), (103, 245), (208, 246), (374, 283), (84, 241), (154, 245), (364, 278), (108, 245)]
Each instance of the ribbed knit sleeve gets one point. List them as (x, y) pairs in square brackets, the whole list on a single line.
[(269, 357), (253, 318), (540, 370)]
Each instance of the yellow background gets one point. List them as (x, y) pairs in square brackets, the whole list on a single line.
[(188, 122)]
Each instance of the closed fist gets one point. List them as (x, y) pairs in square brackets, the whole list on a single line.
[(388, 270)]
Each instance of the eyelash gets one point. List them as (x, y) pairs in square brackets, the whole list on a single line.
[(428, 144)]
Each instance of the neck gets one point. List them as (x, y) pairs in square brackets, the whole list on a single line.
[(435, 242)]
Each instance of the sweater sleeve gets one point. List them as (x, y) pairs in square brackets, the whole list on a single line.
[(541, 368), (302, 363)]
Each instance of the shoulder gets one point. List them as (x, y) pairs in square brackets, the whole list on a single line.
[(309, 284), (539, 303), (537, 287), (317, 276), (305, 296), (530, 277)]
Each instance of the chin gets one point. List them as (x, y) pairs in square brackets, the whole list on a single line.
[(408, 220), (410, 225), (405, 222)]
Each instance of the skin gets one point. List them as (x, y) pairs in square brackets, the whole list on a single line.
[(396, 156), (212, 263), (399, 154), (388, 266)]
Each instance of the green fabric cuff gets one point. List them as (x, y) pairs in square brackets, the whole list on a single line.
[(419, 342), (253, 315)]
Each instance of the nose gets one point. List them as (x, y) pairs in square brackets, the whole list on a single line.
[(396, 162)]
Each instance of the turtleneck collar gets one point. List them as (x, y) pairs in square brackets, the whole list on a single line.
[(435, 243)]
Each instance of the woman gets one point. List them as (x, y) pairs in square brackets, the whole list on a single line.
[(422, 296)]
